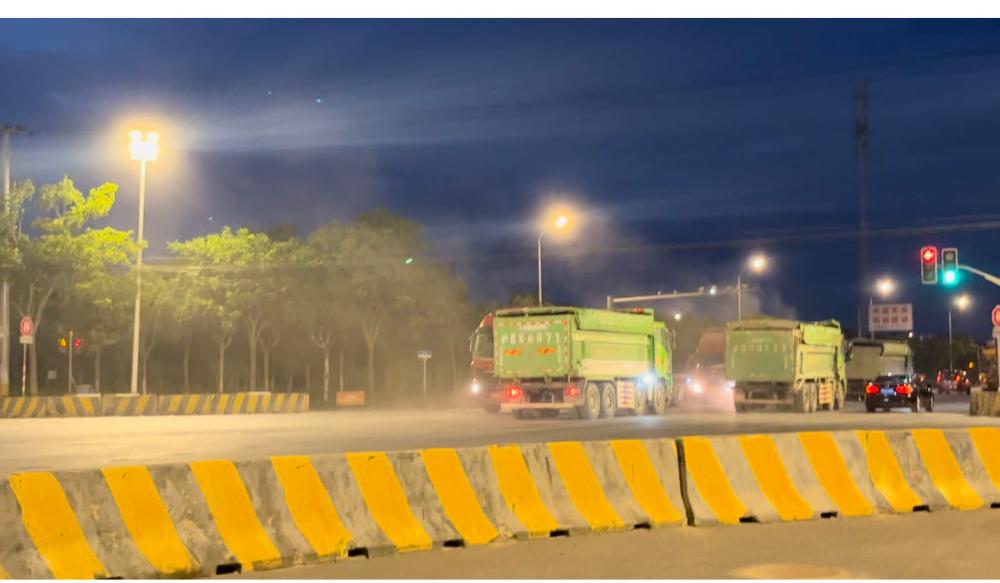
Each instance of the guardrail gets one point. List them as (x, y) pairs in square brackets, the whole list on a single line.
[(126, 404)]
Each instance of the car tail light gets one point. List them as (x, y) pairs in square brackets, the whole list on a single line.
[(514, 392), (903, 389), (871, 389), (572, 391), (939, 377)]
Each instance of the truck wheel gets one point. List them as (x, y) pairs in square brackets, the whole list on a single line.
[(802, 400), (813, 398), (640, 403), (838, 400), (660, 399), (609, 400), (591, 408)]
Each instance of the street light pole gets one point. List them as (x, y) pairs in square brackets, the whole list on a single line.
[(540, 267), (739, 295), (138, 279), (5, 286), (144, 148), (951, 363)]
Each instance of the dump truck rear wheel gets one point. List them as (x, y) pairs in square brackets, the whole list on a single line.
[(609, 400), (813, 398), (640, 402), (660, 398), (802, 400), (591, 408)]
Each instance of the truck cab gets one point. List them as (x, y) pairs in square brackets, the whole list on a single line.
[(483, 387)]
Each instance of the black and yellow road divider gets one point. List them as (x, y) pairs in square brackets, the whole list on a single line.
[(221, 516), (115, 405)]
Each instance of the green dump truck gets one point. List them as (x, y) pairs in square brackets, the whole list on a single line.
[(592, 362), (786, 363), (868, 358)]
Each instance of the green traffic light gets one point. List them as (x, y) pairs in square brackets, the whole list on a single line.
[(950, 277), (408, 261)]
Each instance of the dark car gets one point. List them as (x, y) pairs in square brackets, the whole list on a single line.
[(888, 392)]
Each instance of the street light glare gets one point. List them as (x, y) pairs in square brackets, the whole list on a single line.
[(144, 148), (962, 301), (758, 263), (561, 221), (886, 286), (678, 316)]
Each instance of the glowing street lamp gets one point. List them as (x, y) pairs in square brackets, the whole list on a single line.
[(961, 302), (144, 147), (885, 287), (678, 316), (757, 263), (559, 222)]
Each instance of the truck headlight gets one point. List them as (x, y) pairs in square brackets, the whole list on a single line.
[(474, 387), (697, 388), (649, 379), (730, 385)]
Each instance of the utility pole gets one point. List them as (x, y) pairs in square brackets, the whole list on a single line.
[(861, 137), (7, 131)]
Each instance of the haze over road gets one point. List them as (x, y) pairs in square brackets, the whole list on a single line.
[(77, 443)]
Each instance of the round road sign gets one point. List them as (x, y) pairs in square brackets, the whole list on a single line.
[(27, 326), (996, 316)]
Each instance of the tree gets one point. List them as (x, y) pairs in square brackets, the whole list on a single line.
[(69, 249)]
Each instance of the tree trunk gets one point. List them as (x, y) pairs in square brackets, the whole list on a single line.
[(253, 339), (371, 369), (222, 364), (308, 387), (97, 370), (267, 369), (326, 374), (186, 366), (340, 369)]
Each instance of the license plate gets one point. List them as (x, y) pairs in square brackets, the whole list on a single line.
[(888, 392)]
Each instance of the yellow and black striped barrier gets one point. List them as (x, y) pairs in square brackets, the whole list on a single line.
[(23, 407), (985, 404), (209, 517), (123, 405)]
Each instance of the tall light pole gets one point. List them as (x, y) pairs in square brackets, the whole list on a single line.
[(961, 302), (757, 264), (8, 131), (560, 223), (144, 148)]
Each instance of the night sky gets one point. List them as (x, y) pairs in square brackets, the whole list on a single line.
[(686, 145)]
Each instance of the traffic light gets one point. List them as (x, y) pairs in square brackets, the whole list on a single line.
[(928, 265), (63, 344), (77, 344), (949, 265)]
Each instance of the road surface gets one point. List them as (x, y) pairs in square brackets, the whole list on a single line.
[(70, 443), (943, 545)]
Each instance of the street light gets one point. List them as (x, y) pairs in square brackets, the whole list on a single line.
[(560, 222), (144, 148), (757, 263), (961, 302), (678, 316), (885, 287)]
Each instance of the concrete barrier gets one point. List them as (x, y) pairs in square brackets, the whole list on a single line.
[(985, 404), (804, 476), (73, 406), (211, 517), (126, 404), (24, 407)]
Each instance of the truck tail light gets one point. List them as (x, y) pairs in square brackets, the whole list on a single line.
[(871, 389), (514, 392), (572, 391), (903, 389)]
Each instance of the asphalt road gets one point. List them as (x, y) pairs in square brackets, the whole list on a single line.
[(945, 545), (69, 443)]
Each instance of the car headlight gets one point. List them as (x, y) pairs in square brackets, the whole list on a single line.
[(697, 387), (474, 387)]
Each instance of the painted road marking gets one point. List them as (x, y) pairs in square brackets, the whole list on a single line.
[(457, 496), (311, 507), (147, 520), (831, 470), (387, 502), (519, 490), (944, 469), (234, 514), (633, 459), (52, 526), (710, 479)]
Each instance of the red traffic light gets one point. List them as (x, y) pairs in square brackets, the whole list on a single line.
[(928, 254), (77, 343)]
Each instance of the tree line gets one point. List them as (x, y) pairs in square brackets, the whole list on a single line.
[(343, 307)]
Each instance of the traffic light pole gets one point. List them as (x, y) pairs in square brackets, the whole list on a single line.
[(990, 278), (613, 301), (69, 375)]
